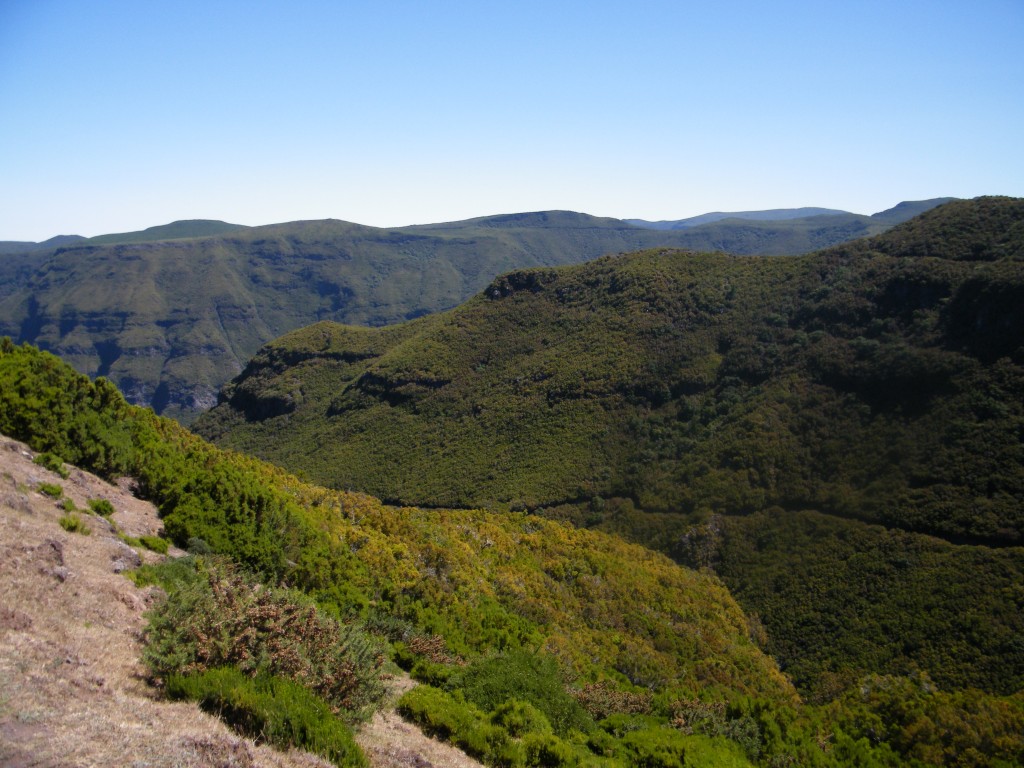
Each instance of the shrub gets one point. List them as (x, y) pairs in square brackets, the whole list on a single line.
[(220, 618), (656, 748), (68, 505), (272, 709), (198, 546), (154, 543), (601, 743), (72, 523), (453, 719), (52, 462), (50, 489), (544, 749), (170, 575), (390, 627), (101, 507), (533, 678), (439, 713), (520, 717)]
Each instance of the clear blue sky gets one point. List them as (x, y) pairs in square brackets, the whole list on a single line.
[(116, 116)]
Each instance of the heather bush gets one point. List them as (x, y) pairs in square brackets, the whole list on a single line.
[(221, 618), (53, 490), (155, 543), (519, 718), (72, 523), (528, 677), (547, 750)]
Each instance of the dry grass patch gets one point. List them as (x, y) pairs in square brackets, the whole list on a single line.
[(72, 691)]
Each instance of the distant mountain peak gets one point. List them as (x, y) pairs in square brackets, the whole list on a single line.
[(176, 230), (775, 214)]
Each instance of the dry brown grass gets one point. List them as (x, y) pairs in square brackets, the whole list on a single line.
[(72, 691)]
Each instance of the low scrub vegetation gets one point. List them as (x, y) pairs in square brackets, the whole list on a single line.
[(222, 618), (73, 523)]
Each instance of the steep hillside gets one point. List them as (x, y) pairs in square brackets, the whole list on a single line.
[(539, 645), (71, 625), (173, 312), (879, 382)]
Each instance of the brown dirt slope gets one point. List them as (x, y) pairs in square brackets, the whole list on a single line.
[(72, 690)]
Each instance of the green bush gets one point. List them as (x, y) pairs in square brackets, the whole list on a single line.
[(271, 709), (547, 750), (68, 505), (619, 725), (198, 546), (451, 718), (439, 713), (520, 717), (72, 523), (101, 507), (656, 748), (52, 462), (601, 743), (50, 489), (155, 543), (490, 739), (528, 677), (170, 575)]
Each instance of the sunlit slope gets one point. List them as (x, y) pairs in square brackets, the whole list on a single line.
[(481, 581)]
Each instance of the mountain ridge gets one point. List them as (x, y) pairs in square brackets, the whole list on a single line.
[(171, 320)]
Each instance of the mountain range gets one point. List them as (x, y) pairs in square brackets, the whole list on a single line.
[(172, 312)]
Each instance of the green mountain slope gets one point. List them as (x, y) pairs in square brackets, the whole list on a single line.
[(172, 312), (18, 247), (548, 645), (470, 583), (878, 382)]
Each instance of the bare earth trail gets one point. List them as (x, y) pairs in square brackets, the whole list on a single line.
[(72, 689)]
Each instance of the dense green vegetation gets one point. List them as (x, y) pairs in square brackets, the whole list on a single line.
[(169, 314), (510, 616), (683, 381), (701, 403)]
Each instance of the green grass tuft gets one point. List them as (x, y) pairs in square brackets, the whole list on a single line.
[(53, 463), (271, 709)]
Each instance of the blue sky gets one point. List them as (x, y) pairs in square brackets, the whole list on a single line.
[(121, 115)]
